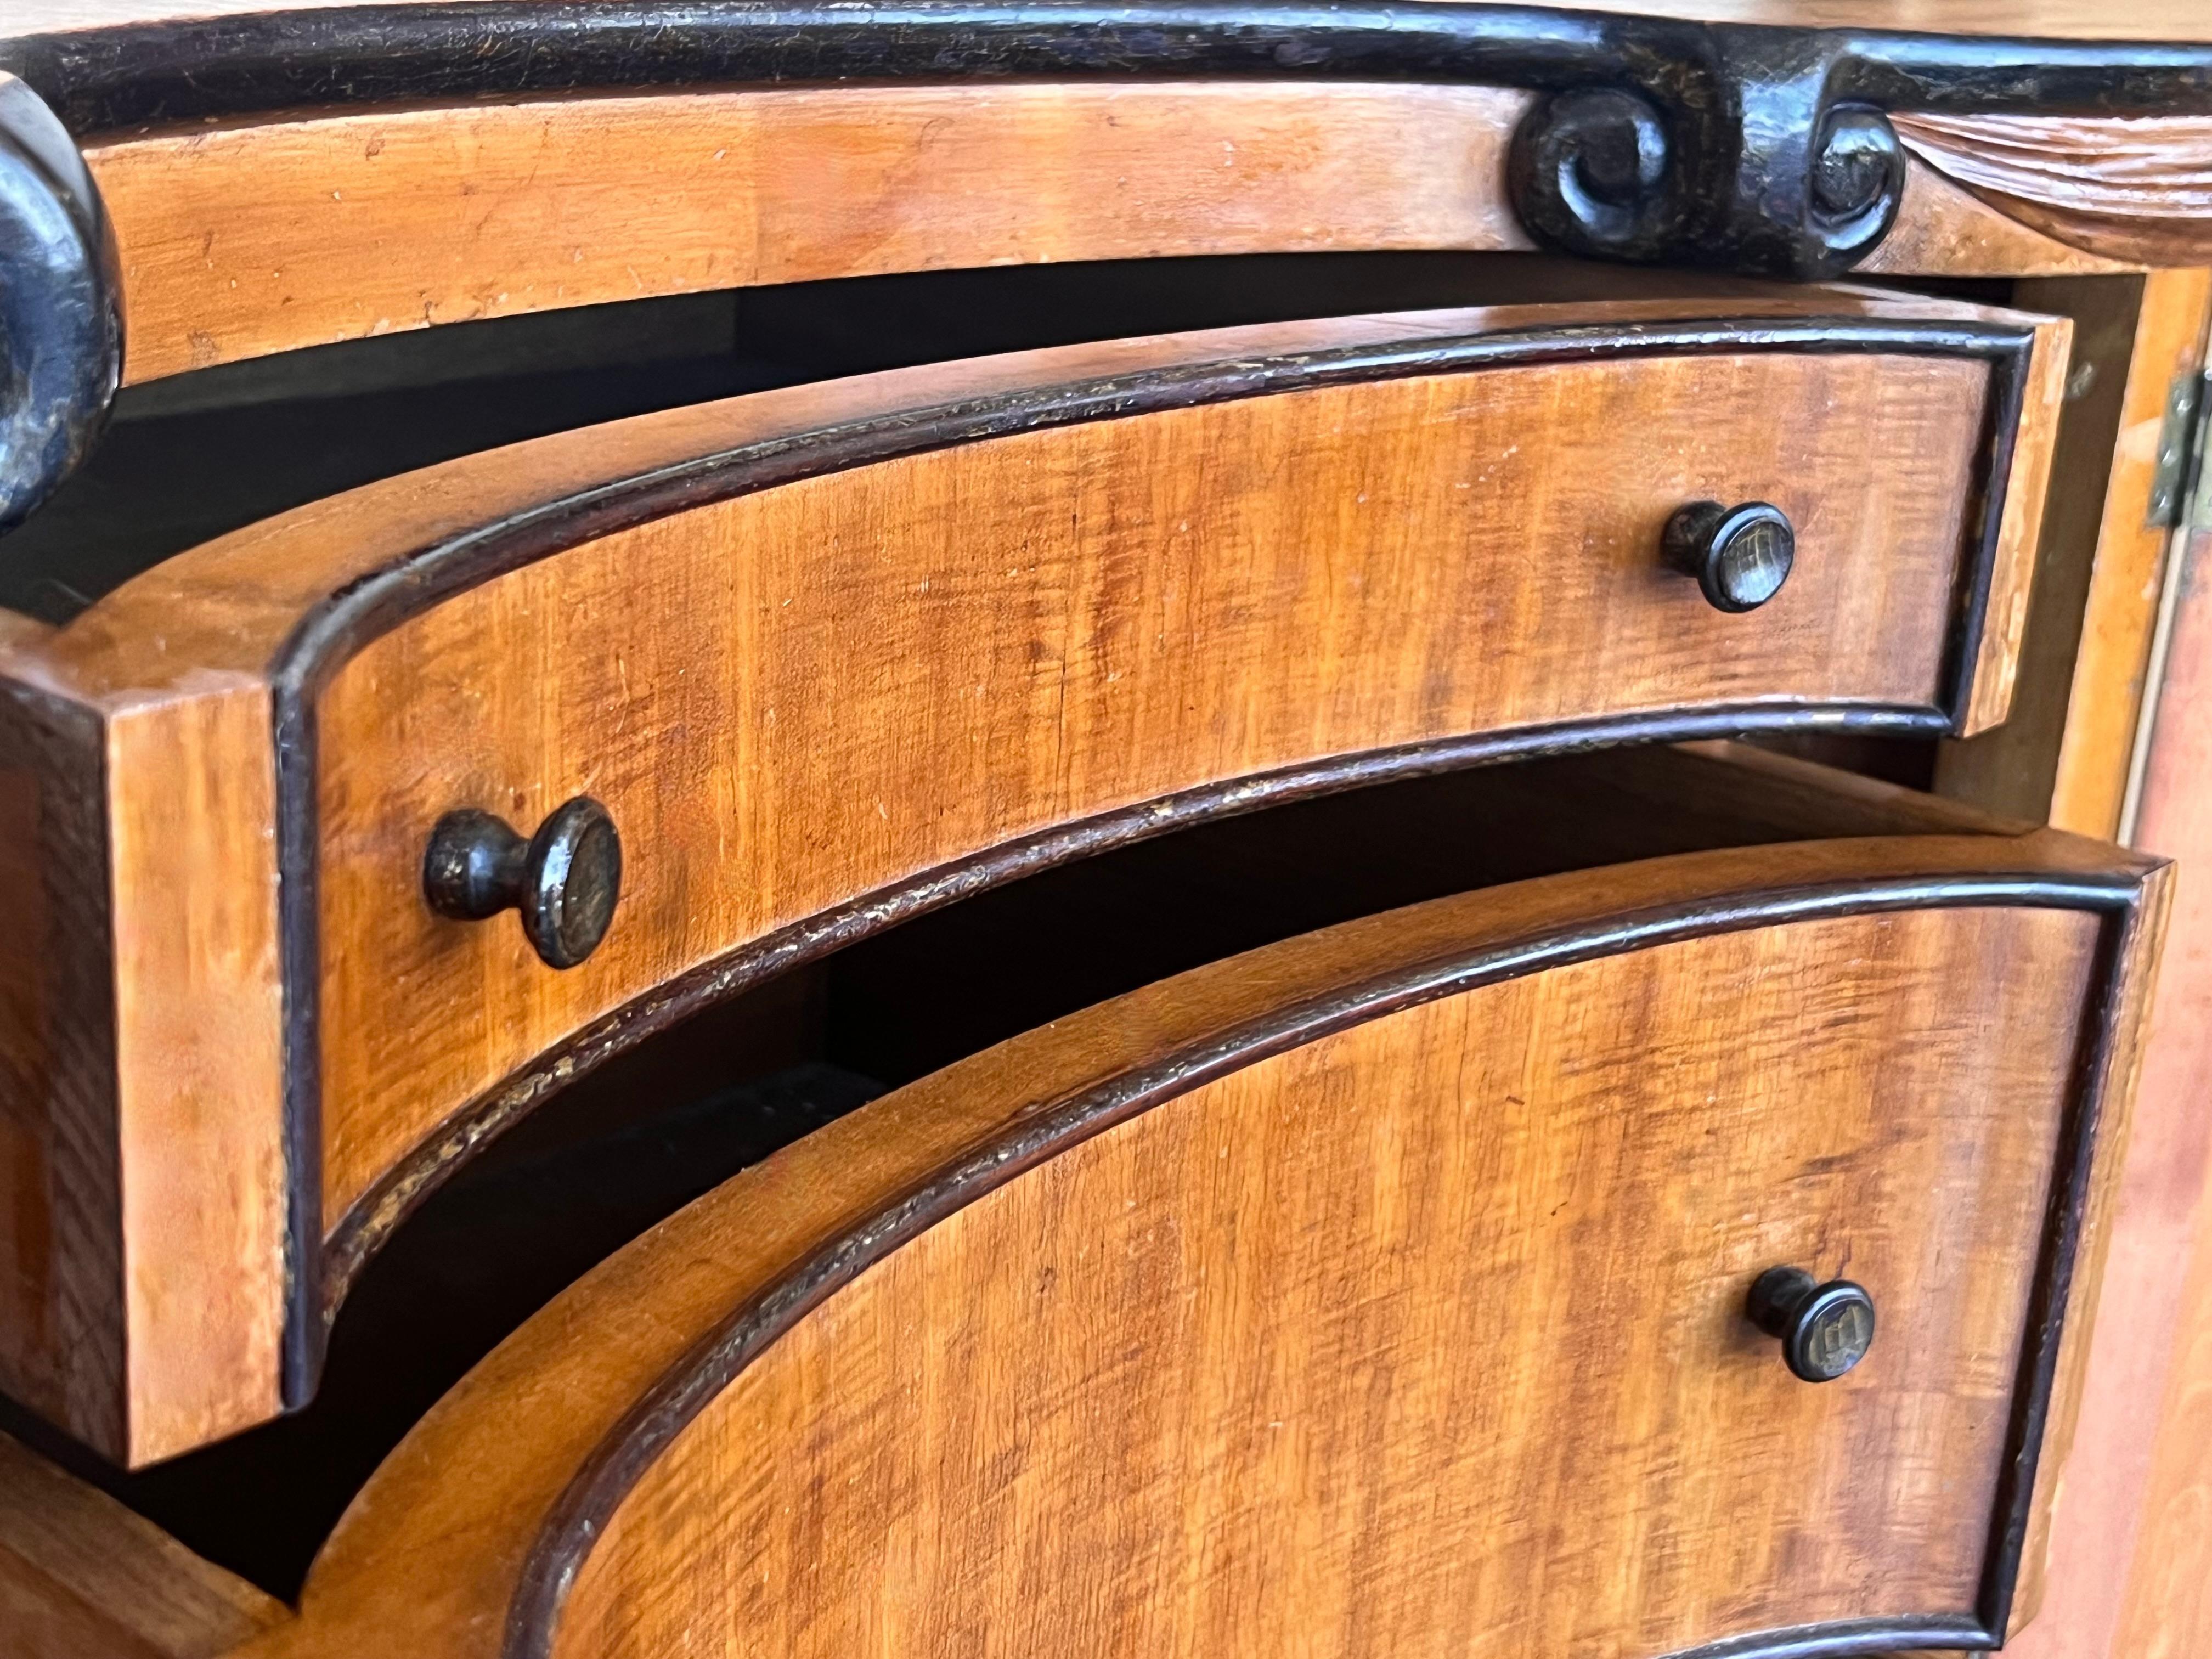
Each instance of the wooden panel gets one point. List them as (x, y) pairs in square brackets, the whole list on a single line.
[(139, 1031), (1944, 229), (1891, 1085), (794, 698), (2014, 768), (82, 1578), (200, 1042), (250, 238), (2104, 706), (1430, 1326), (2131, 1552), (245, 240)]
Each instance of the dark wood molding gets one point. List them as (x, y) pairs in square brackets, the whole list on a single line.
[(328, 636), (61, 306), (581, 1515), (1745, 148)]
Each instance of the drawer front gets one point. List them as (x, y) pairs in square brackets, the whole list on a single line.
[(1373, 1292), (821, 698), (827, 656)]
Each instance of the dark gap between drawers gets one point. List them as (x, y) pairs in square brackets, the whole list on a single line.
[(656, 1127), (198, 455)]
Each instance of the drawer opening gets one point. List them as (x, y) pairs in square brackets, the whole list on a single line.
[(197, 455), (663, 1123)]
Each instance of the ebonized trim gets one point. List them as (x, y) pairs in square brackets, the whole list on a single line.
[(330, 633), (1743, 147), (1746, 146), (61, 306), (581, 1515)]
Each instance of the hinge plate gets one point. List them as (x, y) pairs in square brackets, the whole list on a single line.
[(2179, 440)]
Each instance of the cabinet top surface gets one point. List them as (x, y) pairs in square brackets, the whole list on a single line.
[(2070, 20)]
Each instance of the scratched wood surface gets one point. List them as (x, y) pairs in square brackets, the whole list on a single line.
[(797, 697), (243, 239), (792, 698), (1521, 1396)]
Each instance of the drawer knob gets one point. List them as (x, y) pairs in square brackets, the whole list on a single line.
[(1826, 1329), (1740, 556), (564, 879)]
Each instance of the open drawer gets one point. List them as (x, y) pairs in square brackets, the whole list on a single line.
[(710, 692), (1382, 1287)]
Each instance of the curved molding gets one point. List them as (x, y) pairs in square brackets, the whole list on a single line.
[(1743, 147), (2138, 189), (368, 1223), (581, 1515), (325, 1261), (60, 308)]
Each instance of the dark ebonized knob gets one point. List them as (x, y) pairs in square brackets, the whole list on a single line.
[(1740, 556), (1826, 1329), (564, 879)]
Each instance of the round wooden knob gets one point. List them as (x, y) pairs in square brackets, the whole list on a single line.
[(564, 879), (1740, 556), (1826, 1329)]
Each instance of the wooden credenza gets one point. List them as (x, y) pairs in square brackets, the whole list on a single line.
[(1176, 830)]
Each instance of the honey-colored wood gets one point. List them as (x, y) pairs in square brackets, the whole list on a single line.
[(243, 239), (2062, 752), (2137, 189), (82, 1578), (793, 698), (2104, 705), (238, 240), (2131, 1553), (139, 1032), (1529, 1379), (1943, 229), (798, 697)]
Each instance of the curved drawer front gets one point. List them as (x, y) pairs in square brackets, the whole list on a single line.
[(832, 691), (1371, 1291), (808, 661)]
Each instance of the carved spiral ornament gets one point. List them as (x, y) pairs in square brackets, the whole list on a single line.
[(61, 316), (1766, 181), (1859, 179), (1589, 170)]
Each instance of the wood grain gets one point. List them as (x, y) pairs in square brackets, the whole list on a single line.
[(82, 1578), (140, 1044), (2130, 1537), (1853, 1052), (797, 697), (978, 642), (2107, 700), (2138, 189), (2128, 342), (243, 239)]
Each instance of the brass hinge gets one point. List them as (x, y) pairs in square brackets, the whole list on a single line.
[(2180, 452)]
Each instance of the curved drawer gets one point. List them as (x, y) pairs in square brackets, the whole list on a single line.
[(830, 655), (1363, 1292)]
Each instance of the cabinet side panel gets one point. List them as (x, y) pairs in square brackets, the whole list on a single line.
[(61, 1274)]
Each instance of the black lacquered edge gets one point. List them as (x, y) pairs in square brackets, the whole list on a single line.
[(61, 306), (330, 633), (581, 1515), (196, 69), (364, 1227)]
